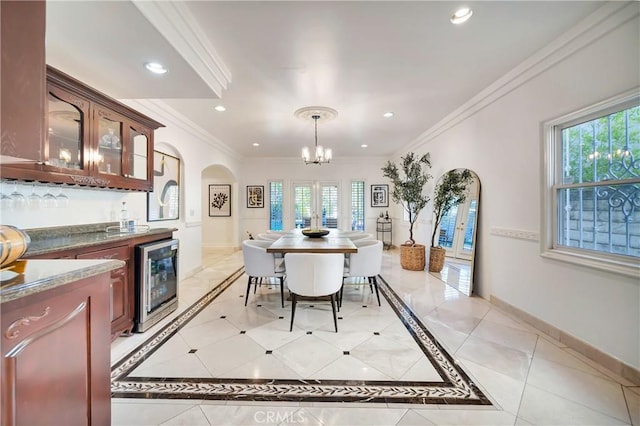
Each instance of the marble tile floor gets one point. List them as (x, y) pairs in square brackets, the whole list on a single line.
[(457, 273), (528, 378)]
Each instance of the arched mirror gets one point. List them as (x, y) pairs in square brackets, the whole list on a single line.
[(457, 235)]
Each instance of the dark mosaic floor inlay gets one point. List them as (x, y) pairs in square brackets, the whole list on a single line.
[(454, 388)]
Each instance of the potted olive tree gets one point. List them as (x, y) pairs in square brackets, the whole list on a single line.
[(450, 191), (408, 191)]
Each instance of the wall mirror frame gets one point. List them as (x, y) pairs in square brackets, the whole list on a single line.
[(457, 235)]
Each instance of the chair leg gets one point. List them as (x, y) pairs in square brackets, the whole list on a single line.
[(340, 292), (248, 289), (375, 284), (370, 285), (293, 309), (333, 308), (282, 290)]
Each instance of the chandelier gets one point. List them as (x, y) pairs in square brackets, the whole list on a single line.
[(319, 155)]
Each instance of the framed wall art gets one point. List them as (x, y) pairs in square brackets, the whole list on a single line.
[(255, 196), (163, 203), (380, 195), (219, 200)]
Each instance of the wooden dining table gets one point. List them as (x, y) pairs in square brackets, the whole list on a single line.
[(295, 242)]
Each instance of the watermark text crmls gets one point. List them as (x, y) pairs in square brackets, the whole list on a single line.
[(279, 416)]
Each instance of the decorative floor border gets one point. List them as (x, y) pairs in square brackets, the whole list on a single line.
[(455, 388)]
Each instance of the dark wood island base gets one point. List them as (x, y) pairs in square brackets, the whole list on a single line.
[(56, 344)]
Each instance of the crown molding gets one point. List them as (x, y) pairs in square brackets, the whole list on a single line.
[(173, 20), (171, 117), (611, 15)]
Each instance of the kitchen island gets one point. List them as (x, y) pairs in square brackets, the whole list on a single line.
[(55, 323)]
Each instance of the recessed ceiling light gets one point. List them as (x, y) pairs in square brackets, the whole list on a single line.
[(364, 145), (220, 108), (387, 114), (155, 67), (256, 144), (461, 15)]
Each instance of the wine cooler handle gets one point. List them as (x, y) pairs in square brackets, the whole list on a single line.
[(147, 279)]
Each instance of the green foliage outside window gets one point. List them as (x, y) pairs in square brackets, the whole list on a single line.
[(602, 149)]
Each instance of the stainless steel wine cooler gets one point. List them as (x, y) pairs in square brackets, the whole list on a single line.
[(156, 282)]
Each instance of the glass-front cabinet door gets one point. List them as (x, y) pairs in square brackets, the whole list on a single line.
[(66, 132), (122, 151), (108, 147), (138, 153)]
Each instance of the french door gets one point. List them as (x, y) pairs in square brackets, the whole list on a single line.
[(458, 228), (315, 204)]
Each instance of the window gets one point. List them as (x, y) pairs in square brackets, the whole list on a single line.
[(593, 181), (329, 205), (357, 205), (275, 206), (302, 205)]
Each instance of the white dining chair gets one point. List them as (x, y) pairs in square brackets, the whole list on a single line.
[(269, 236), (259, 264), (349, 234), (367, 262), (314, 275), (360, 236)]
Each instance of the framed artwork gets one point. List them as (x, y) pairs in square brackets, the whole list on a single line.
[(219, 200), (380, 195), (163, 203), (255, 196)]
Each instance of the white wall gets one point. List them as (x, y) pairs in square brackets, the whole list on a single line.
[(219, 231), (84, 206), (198, 151), (502, 143), (343, 171)]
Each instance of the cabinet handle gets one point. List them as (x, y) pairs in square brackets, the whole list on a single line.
[(147, 281), (11, 333)]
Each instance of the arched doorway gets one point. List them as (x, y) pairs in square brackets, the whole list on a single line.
[(219, 208)]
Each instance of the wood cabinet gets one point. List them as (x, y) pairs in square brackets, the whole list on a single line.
[(91, 140), (122, 281), (22, 110), (56, 357), (55, 128), (120, 293)]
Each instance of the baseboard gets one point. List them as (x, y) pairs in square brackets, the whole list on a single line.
[(193, 272), (609, 362)]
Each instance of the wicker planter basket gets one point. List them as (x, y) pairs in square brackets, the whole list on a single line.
[(436, 259), (412, 257)]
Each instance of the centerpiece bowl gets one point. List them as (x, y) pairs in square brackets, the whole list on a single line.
[(315, 233)]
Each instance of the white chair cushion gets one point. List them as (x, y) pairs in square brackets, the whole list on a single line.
[(259, 263), (314, 274), (367, 262)]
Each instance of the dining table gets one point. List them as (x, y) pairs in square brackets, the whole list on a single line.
[(295, 242)]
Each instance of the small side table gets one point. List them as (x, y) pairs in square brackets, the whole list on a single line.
[(384, 232)]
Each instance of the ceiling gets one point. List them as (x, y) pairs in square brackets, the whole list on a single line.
[(264, 60)]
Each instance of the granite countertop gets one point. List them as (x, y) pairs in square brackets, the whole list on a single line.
[(48, 240), (26, 277)]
